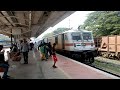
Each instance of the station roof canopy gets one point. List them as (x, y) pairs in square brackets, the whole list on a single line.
[(29, 23)]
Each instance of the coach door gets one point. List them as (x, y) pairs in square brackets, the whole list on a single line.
[(63, 42)]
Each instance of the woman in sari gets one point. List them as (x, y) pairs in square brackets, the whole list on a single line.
[(42, 52)]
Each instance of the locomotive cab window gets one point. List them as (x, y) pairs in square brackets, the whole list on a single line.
[(87, 36), (76, 36)]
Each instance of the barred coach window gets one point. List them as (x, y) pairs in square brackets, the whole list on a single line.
[(56, 39)]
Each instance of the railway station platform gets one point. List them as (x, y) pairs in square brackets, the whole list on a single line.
[(67, 69)]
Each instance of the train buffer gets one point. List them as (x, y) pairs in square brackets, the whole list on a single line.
[(67, 69)]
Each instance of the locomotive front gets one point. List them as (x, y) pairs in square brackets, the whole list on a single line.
[(83, 45), (82, 41)]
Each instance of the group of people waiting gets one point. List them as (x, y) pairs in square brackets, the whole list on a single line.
[(15, 55), (46, 48)]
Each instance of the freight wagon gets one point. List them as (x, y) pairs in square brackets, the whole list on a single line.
[(109, 46)]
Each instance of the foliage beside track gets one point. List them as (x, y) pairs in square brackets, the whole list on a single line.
[(103, 23)]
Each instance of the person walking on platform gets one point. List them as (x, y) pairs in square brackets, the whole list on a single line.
[(25, 50), (54, 55), (55, 59)]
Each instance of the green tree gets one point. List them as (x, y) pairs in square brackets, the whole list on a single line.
[(103, 23)]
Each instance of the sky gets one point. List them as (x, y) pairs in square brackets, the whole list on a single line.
[(73, 21)]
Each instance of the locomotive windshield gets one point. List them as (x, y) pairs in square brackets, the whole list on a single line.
[(76, 36), (87, 36)]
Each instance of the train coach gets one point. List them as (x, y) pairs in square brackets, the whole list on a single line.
[(77, 44)]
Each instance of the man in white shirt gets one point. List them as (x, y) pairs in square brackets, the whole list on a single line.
[(25, 50)]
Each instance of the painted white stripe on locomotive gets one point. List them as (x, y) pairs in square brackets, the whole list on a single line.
[(107, 74)]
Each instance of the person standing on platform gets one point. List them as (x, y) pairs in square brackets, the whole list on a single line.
[(21, 41), (50, 48), (35, 47), (55, 59), (46, 50), (31, 45), (25, 50), (54, 55), (42, 53), (53, 48)]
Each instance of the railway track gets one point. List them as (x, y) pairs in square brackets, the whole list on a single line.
[(104, 70), (98, 65)]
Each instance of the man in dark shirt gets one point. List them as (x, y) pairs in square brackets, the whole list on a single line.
[(3, 63), (50, 48), (53, 48)]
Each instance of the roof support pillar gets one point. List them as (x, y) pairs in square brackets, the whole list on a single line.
[(11, 37)]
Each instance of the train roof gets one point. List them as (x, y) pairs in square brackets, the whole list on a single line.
[(76, 30), (72, 30)]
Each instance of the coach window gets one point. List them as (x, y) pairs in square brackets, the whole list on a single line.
[(66, 38), (56, 39)]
